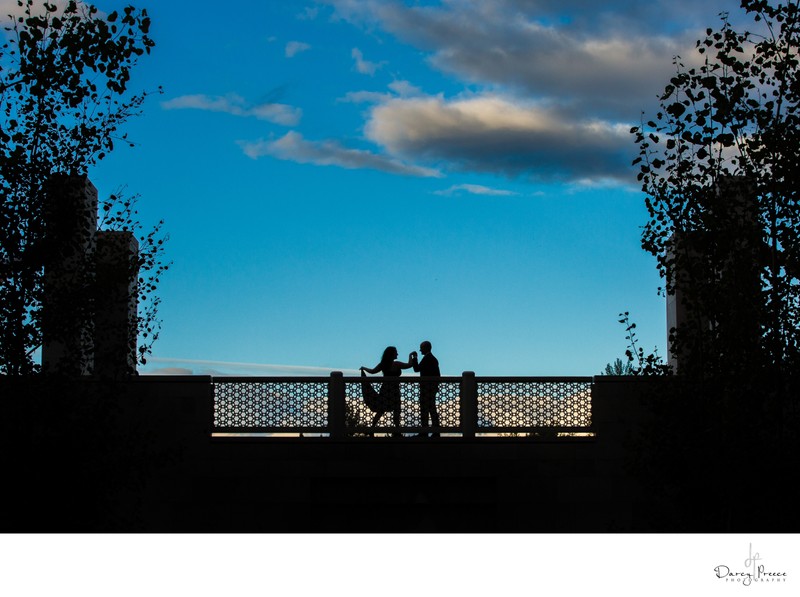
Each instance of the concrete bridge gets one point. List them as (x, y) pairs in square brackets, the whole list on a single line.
[(268, 455), (497, 467)]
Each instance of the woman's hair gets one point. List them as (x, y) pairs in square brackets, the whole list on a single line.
[(388, 357)]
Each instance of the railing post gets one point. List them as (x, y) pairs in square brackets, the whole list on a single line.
[(336, 405), (469, 404)]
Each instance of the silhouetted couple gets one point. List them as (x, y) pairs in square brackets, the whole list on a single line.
[(388, 398)]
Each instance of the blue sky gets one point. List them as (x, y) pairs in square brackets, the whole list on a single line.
[(344, 175)]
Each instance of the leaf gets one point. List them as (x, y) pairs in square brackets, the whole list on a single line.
[(676, 109), (709, 82)]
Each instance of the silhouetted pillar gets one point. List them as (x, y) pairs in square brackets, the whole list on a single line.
[(469, 404), (746, 257), (116, 318), (724, 255), (336, 405), (677, 313), (70, 225)]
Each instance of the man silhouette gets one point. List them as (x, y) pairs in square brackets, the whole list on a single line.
[(427, 367)]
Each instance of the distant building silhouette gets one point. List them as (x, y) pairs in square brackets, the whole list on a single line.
[(115, 324), (89, 311), (70, 238), (720, 259)]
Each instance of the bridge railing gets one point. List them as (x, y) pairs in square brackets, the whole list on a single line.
[(467, 406)]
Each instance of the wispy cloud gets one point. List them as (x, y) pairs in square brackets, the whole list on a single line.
[(292, 146), (398, 88), (282, 114), (365, 97), (293, 48), (404, 88), (365, 67), (474, 189), (309, 13), (178, 366), (169, 371)]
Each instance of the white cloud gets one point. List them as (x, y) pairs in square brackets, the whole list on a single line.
[(365, 67), (294, 147), (475, 189), (295, 47), (493, 134), (282, 114)]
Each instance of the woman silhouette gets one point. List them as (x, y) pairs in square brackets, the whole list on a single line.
[(388, 398)]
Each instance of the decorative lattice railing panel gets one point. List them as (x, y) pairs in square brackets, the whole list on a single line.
[(274, 405), (336, 406), (445, 393), (511, 405)]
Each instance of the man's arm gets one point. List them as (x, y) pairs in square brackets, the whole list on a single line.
[(412, 358)]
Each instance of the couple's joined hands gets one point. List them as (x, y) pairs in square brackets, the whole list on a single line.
[(412, 358)]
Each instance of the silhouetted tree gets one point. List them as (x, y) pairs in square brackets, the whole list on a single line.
[(719, 164), (63, 96), (618, 367), (78, 452), (638, 363)]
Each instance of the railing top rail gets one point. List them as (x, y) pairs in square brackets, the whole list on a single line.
[(267, 379), (533, 379), (410, 378)]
